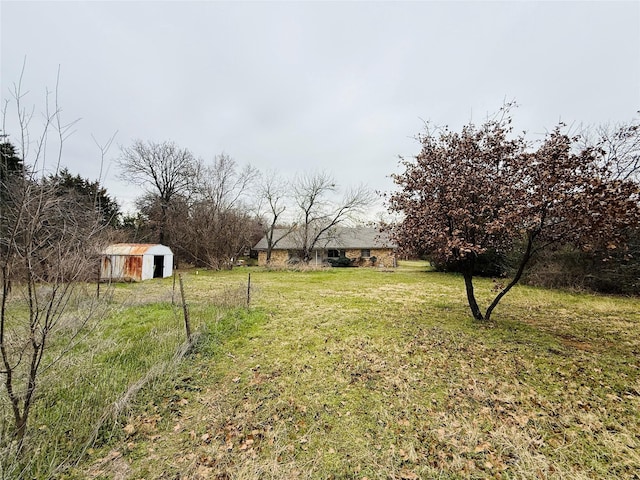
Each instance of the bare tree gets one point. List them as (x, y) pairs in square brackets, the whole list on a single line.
[(272, 203), (216, 223), (164, 169), (318, 213), (223, 184), (618, 145), (48, 247)]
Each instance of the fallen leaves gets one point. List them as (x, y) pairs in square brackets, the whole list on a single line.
[(412, 399), (408, 475), (481, 448), (129, 429)]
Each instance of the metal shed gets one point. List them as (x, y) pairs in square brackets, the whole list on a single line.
[(134, 262)]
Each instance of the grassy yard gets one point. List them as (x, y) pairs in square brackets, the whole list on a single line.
[(361, 373)]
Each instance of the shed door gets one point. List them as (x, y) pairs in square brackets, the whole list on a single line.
[(158, 266)]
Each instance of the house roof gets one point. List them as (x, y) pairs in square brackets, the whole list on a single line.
[(137, 249), (336, 238)]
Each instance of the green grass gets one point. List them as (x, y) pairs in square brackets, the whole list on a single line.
[(361, 373), (131, 351)]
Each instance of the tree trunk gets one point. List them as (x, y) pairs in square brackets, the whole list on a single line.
[(269, 248), (20, 433), (471, 298), (526, 256), (163, 225)]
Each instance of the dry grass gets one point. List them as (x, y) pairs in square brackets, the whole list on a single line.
[(359, 373)]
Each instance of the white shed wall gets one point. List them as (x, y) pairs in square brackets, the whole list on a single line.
[(147, 267), (168, 266)]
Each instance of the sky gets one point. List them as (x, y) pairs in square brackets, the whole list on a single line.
[(295, 87)]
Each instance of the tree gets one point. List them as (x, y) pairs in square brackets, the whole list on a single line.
[(272, 199), (48, 247), (135, 227), (164, 169), (599, 268), (90, 194), (318, 214), (12, 172), (48, 252), (146, 223), (215, 222), (10, 162), (618, 146), (477, 191), (223, 184)]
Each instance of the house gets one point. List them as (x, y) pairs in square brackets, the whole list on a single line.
[(134, 262), (365, 246)]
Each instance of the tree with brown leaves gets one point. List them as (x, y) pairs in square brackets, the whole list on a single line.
[(481, 190)]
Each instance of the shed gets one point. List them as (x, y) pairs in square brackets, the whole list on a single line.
[(133, 262)]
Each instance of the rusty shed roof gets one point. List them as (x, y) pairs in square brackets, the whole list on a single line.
[(137, 249)]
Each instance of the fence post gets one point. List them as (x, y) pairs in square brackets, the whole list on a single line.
[(249, 291), (185, 308), (98, 284), (173, 291)]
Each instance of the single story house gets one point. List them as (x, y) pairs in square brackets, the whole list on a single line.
[(134, 262), (365, 246)]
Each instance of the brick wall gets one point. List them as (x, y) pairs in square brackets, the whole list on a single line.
[(384, 257), (278, 258)]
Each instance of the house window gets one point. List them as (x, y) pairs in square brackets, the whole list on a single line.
[(365, 253), (336, 253)]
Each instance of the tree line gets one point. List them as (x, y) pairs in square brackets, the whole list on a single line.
[(210, 214)]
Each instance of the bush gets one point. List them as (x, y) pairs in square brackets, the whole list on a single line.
[(605, 272), (340, 262), (490, 264)]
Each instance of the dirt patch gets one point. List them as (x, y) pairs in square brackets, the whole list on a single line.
[(571, 342)]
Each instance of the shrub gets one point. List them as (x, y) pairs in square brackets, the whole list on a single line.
[(490, 264), (616, 272), (341, 262)]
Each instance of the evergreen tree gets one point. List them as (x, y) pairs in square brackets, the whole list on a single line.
[(89, 193), (11, 166)]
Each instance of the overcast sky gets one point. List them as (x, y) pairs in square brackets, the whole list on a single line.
[(304, 86)]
